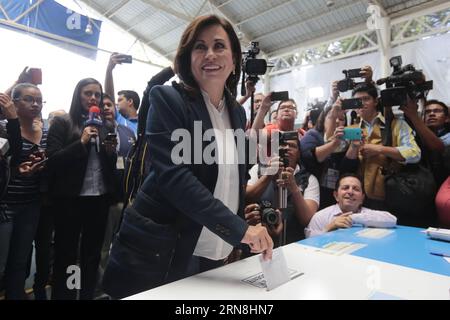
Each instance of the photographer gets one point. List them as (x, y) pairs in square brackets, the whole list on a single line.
[(303, 188), (373, 154), (433, 132), (326, 160), (434, 138)]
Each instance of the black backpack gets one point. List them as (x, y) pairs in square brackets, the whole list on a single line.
[(409, 191)]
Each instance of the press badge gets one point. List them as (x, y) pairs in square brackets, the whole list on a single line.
[(331, 177), (120, 164)]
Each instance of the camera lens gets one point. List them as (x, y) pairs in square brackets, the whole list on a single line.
[(269, 216)]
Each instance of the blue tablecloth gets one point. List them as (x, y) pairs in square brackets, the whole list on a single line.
[(406, 246)]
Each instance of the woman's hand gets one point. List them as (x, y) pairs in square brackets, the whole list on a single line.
[(88, 133), (7, 107), (259, 241), (28, 168)]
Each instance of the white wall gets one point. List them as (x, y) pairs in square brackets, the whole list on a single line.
[(432, 55)]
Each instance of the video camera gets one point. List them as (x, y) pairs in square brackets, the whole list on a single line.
[(283, 138), (268, 214), (252, 66), (403, 81), (348, 83)]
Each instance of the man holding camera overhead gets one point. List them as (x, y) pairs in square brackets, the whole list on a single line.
[(374, 156), (303, 195)]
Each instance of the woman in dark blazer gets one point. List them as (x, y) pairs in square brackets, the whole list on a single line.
[(189, 207), (82, 182)]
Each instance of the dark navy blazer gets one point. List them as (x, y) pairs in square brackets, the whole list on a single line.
[(161, 228)]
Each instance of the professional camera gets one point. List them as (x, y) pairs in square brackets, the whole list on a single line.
[(348, 83), (403, 81), (283, 138), (268, 214), (253, 68)]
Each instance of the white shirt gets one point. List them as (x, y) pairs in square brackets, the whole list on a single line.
[(366, 217), (210, 245), (312, 191), (93, 184)]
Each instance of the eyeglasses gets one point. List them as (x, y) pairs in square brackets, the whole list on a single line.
[(31, 100), (428, 111), (97, 95)]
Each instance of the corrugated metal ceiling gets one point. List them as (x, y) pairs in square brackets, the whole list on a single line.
[(276, 24)]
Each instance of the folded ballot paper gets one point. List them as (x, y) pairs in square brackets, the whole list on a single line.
[(275, 272), (438, 233)]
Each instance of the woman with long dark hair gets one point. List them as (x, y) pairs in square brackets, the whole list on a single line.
[(81, 183), (187, 217)]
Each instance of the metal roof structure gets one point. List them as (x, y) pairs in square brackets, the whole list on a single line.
[(280, 26)]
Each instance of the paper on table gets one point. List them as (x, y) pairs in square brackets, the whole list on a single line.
[(447, 259), (373, 233), (275, 270), (258, 280), (339, 248)]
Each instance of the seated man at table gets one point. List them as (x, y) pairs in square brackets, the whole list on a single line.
[(348, 210)]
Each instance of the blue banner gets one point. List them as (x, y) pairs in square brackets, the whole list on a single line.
[(51, 18)]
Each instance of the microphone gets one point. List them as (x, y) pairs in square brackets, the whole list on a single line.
[(95, 120)]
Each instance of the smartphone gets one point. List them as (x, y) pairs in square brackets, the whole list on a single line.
[(111, 137), (352, 134), (354, 73), (41, 162), (125, 58), (279, 96), (352, 103), (36, 76)]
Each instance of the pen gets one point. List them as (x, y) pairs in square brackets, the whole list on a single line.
[(440, 254)]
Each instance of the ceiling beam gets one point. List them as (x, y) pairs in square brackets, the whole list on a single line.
[(113, 10), (159, 35), (224, 4), (254, 16), (338, 35), (311, 18), (379, 5), (244, 37), (123, 27), (169, 10), (420, 10)]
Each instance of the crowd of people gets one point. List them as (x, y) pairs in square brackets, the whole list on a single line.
[(111, 212)]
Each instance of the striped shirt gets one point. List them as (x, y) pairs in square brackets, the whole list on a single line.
[(21, 189)]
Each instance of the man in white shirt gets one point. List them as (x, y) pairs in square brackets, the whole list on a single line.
[(348, 211)]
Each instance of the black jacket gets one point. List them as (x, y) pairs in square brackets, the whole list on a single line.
[(160, 229), (68, 159)]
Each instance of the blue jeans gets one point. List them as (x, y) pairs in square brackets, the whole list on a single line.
[(23, 225)]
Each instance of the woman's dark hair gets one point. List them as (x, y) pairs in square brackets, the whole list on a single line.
[(76, 112), (182, 60), (320, 124)]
